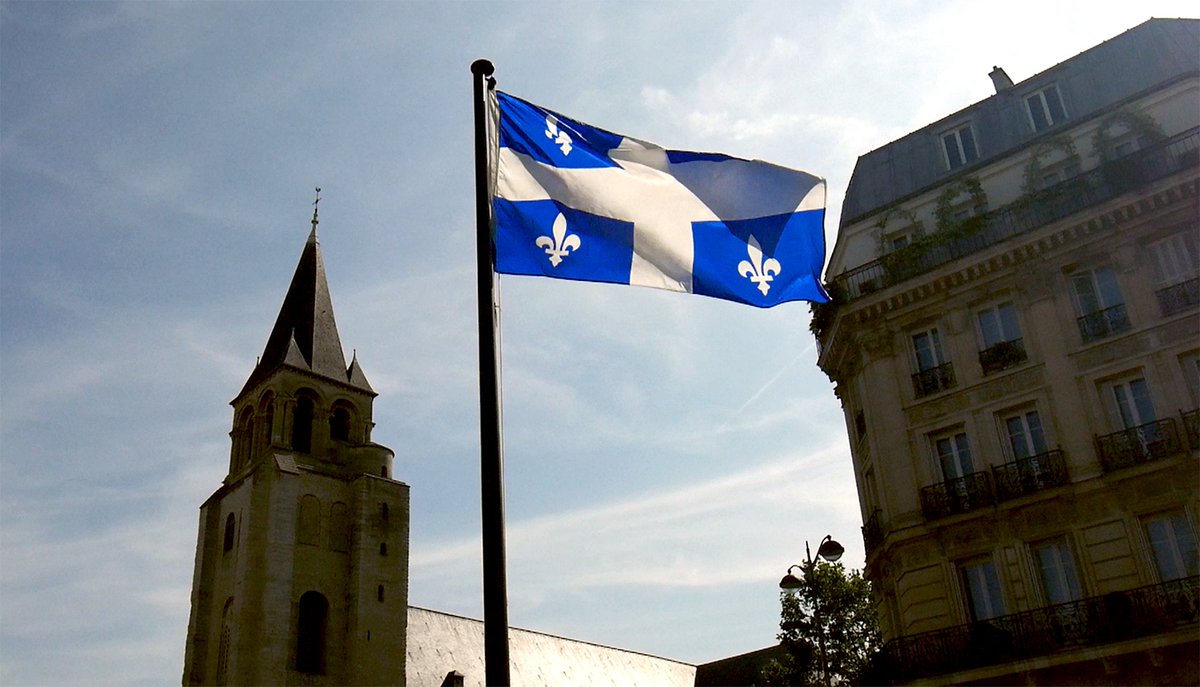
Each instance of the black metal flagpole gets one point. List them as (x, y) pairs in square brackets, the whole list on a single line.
[(491, 456)]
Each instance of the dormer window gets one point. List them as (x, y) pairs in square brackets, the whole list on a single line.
[(959, 146), (1045, 108)]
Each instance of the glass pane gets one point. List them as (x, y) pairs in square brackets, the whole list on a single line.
[(1009, 328), (1166, 556), (1085, 293), (946, 459), (950, 141), (928, 347), (968, 144), (989, 326), (1057, 569), (1106, 283), (963, 450), (1054, 104), (1142, 401), (1017, 437), (983, 591), (1036, 111), (1036, 438)]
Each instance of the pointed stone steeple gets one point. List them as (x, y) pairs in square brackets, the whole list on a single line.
[(305, 334)]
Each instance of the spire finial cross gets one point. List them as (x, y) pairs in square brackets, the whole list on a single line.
[(318, 200)]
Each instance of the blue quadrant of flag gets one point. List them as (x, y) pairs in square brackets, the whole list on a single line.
[(573, 201)]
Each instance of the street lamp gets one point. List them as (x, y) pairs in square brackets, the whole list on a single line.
[(830, 550)]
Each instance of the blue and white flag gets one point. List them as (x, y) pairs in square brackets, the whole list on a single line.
[(576, 202)]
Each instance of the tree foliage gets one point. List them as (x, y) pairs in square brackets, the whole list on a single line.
[(830, 620)]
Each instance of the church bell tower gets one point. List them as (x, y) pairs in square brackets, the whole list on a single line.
[(301, 573)]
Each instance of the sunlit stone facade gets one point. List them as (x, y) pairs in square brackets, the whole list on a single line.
[(1014, 339)]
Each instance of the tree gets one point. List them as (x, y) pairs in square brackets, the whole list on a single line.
[(830, 621)]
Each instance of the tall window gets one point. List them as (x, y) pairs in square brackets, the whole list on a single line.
[(985, 599), (339, 424), (1045, 108), (1056, 569), (311, 620), (1176, 273), (230, 533), (1025, 436), (1132, 404), (1174, 545), (959, 146), (954, 455), (1001, 337), (1099, 302), (927, 346), (302, 425)]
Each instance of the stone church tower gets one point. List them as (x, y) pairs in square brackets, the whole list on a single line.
[(301, 571)]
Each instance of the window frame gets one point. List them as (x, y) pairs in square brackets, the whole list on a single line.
[(1045, 108), (967, 152), (1186, 565), (992, 585), (1065, 567), (959, 445), (933, 335), (1034, 438)]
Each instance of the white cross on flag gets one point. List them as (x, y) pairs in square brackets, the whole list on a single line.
[(576, 202)]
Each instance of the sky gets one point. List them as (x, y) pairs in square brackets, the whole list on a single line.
[(667, 456)]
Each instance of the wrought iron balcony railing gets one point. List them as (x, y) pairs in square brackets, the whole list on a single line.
[(933, 380), (872, 532), (1176, 298), (1191, 427), (1103, 323), (1002, 356), (958, 495), (1030, 475), (1092, 621), (1136, 445), (1025, 215)]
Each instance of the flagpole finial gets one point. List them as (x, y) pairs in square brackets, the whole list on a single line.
[(483, 67)]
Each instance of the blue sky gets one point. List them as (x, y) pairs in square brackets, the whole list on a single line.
[(667, 456)]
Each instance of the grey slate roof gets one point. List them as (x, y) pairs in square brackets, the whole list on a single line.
[(305, 334), (1091, 83), (440, 642)]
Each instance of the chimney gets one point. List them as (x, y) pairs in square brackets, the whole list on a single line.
[(1000, 80)]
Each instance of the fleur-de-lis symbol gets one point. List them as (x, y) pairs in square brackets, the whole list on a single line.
[(760, 271), (560, 137), (562, 243)]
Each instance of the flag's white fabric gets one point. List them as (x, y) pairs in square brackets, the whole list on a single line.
[(576, 202)]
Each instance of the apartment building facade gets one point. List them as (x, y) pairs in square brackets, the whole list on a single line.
[(1015, 340)]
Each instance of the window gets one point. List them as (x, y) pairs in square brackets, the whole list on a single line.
[(230, 532), (1045, 108), (1175, 259), (1001, 337), (897, 241), (379, 593), (224, 645), (954, 455), (1132, 405), (959, 146), (311, 620), (339, 424), (302, 425), (1190, 362), (985, 599), (927, 346), (1099, 302), (1056, 569), (382, 548), (1025, 436), (1174, 545)]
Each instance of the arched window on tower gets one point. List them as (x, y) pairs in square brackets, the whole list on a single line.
[(339, 424), (223, 645), (302, 424), (311, 619), (230, 533), (266, 410)]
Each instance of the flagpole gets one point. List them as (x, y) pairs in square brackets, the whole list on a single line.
[(491, 457)]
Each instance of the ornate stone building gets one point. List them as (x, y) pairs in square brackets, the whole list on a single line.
[(1015, 340), (302, 562)]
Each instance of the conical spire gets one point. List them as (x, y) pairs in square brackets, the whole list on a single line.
[(305, 334)]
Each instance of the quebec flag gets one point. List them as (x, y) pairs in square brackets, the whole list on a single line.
[(573, 201)]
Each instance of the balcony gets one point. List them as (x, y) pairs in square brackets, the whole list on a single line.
[(1103, 323), (1030, 475), (1177, 298), (1137, 445), (958, 495), (933, 380), (1002, 356), (1091, 621), (1025, 215), (872, 532)]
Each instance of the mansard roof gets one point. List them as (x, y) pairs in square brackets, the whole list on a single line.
[(305, 335), (1097, 80)]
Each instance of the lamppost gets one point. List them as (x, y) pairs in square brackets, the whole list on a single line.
[(830, 550)]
